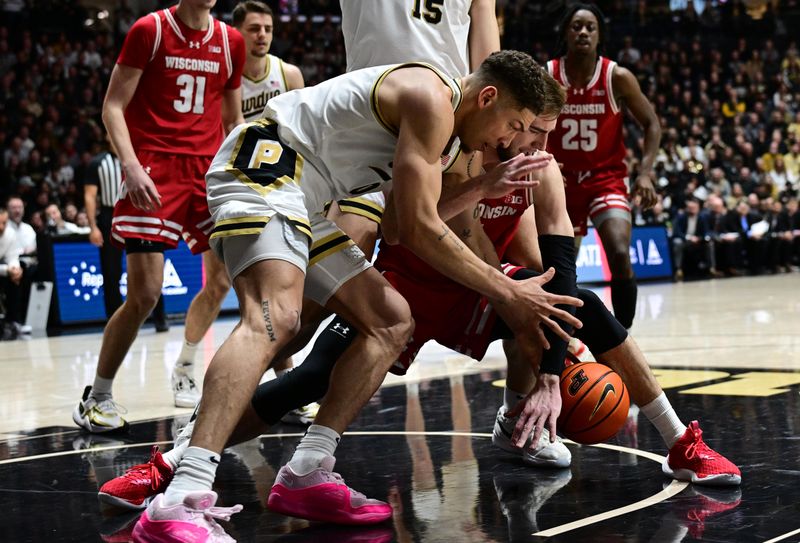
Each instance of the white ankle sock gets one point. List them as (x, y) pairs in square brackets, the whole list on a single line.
[(185, 362), (511, 398), (278, 373), (101, 387), (173, 457), (196, 472), (664, 418), (318, 443)]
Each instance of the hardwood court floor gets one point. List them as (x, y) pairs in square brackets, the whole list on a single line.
[(727, 352)]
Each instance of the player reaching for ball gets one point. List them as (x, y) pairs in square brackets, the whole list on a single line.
[(510, 226)]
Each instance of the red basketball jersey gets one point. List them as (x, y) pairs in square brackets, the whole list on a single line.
[(588, 136), (500, 218), (177, 106)]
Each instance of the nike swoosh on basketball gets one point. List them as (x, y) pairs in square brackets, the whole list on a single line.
[(609, 389)]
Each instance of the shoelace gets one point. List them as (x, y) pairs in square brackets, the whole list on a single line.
[(697, 445), (338, 478), (148, 470), (220, 513), (109, 406)]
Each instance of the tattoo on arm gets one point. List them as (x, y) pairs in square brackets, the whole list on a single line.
[(466, 233), (268, 320), (444, 234), (477, 212)]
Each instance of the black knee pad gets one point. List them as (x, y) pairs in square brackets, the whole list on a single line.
[(601, 332), (136, 245)]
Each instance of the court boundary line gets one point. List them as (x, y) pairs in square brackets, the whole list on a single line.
[(784, 536)]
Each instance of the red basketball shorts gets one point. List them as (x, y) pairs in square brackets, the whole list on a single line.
[(448, 313), (180, 180), (590, 194)]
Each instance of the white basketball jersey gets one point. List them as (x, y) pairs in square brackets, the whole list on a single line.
[(257, 92), (337, 126), (378, 32)]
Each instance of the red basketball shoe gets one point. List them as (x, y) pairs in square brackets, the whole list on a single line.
[(134, 489), (690, 459), (323, 496)]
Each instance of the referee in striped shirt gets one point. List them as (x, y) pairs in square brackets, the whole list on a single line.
[(104, 176)]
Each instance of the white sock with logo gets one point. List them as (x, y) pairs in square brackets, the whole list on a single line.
[(185, 362), (196, 472), (664, 418), (318, 443)]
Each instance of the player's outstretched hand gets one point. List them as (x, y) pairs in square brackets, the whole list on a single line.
[(644, 191), (515, 173), (538, 410), (534, 307), (141, 189)]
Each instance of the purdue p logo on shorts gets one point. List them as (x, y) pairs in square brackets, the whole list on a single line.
[(261, 161)]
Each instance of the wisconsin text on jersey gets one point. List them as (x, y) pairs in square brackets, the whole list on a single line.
[(493, 212), (192, 64), (584, 109)]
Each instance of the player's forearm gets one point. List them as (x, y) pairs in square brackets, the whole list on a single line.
[(470, 230), (90, 203), (114, 120), (435, 243), (456, 198), (652, 141)]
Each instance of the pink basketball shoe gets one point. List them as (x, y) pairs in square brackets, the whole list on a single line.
[(193, 521), (323, 496)]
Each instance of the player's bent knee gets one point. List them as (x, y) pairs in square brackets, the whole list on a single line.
[(394, 328), (601, 331), (218, 287), (143, 300)]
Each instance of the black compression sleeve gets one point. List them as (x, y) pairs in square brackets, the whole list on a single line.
[(308, 382), (558, 252)]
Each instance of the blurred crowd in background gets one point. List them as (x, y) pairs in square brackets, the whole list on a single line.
[(725, 83)]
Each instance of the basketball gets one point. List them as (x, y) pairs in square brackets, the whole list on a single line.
[(595, 403)]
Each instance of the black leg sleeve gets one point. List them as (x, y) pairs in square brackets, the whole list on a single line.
[(308, 382), (623, 298), (601, 332)]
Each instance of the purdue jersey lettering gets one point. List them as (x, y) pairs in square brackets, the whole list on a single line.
[(257, 92)]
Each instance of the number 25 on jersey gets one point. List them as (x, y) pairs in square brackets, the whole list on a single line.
[(580, 134)]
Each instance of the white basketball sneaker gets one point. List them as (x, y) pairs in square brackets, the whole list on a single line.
[(184, 389), (544, 455), (99, 416)]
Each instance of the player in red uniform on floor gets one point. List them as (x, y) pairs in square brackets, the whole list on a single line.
[(173, 94), (588, 142)]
